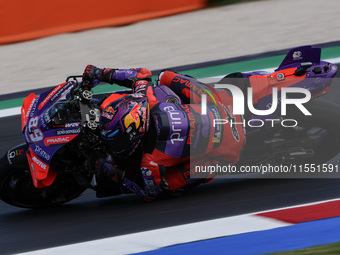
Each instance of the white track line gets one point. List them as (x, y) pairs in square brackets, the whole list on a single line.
[(155, 239), (158, 238), (10, 112)]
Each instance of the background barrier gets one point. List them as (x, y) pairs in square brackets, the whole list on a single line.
[(26, 20)]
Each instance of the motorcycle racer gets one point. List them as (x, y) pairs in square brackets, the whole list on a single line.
[(171, 138)]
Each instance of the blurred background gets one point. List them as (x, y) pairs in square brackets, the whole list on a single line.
[(43, 42)]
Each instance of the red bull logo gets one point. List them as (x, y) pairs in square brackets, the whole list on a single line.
[(108, 113), (133, 116)]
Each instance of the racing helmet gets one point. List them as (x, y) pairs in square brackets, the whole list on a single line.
[(123, 124)]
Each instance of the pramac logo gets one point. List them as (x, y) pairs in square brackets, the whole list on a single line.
[(50, 141)]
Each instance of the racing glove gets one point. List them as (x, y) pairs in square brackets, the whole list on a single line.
[(151, 177), (106, 167), (124, 77), (134, 188), (93, 75)]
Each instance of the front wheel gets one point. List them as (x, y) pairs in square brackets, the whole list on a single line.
[(17, 189)]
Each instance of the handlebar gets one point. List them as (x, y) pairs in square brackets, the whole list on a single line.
[(89, 114), (82, 84), (81, 89), (74, 77)]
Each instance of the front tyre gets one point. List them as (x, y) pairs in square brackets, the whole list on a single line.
[(17, 189)]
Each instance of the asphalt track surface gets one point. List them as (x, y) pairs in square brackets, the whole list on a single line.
[(88, 218)]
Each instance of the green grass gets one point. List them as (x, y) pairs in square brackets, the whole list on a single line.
[(330, 249)]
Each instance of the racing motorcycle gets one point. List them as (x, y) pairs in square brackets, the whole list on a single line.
[(63, 143)]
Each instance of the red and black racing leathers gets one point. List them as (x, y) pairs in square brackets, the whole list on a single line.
[(180, 137)]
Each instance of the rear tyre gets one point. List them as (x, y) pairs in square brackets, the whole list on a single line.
[(323, 128)]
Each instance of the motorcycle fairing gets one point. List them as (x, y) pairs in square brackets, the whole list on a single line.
[(300, 55), (41, 175), (316, 77), (263, 85), (307, 59), (44, 137), (26, 109)]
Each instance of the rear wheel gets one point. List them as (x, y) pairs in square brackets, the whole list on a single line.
[(316, 138), (322, 129)]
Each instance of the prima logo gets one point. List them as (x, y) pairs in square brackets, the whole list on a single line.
[(176, 123)]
